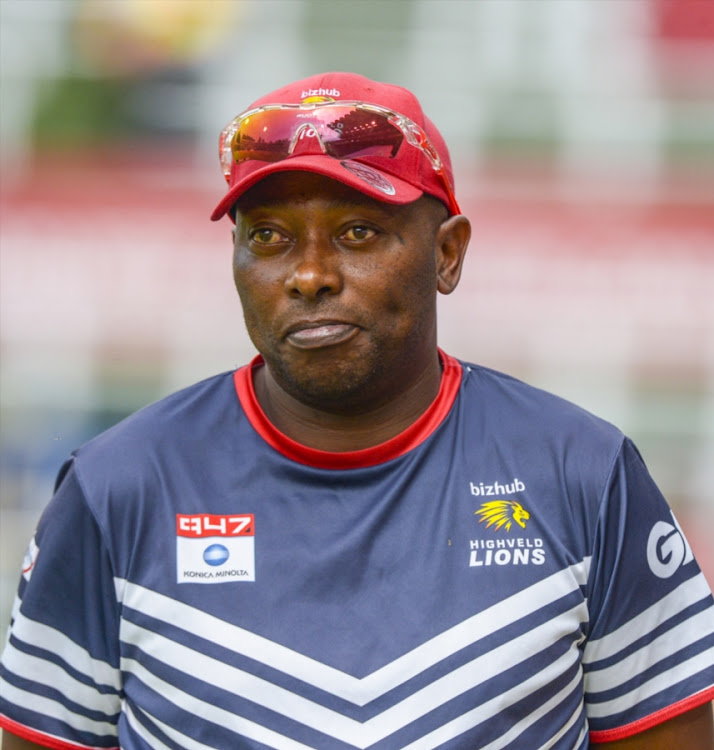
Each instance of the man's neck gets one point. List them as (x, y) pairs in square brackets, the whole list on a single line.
[(328, 431)]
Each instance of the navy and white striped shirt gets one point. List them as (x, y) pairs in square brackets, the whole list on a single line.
[(504, 574)]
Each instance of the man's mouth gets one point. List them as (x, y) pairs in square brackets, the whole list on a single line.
[(318, 335)]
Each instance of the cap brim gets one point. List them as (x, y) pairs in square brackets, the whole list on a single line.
[(360, 175)]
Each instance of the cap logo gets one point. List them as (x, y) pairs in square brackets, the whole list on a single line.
[(370, 176), (316, 100), (317, 94)]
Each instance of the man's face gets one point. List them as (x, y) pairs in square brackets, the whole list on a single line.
[(338, 290)]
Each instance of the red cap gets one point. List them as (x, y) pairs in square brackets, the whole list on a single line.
[(399, 180)]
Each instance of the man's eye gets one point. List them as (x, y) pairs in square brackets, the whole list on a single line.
[(359, 234), (266, 236)]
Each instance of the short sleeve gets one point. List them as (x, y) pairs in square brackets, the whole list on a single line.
[(59, 674), (649, 655)]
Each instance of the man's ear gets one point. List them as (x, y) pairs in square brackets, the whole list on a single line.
[(452, 239)]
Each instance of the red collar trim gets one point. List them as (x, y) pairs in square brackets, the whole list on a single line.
[(400, 444)]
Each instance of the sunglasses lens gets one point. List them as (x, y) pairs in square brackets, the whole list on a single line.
[(272, 135), (264, 136), (357, 132)]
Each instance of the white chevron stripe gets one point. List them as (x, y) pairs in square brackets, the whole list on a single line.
[(359, 691), (33, 632), (553, 741), (491, 708), (187, 743), (332, 723), (647, 689), (55, 710), (517, 729), (578, 744), (581, 737), (242, 727), (152, 740), (477, 672), (51, 675), (686, 594), (665, 645), (237, 682)]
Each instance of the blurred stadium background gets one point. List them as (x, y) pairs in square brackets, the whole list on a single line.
[(582, 134)]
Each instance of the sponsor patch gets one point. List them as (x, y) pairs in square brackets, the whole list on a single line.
[(370, 176), (667, 549), (28, 563), (215, 549)]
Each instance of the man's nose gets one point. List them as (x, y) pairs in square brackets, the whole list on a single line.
[(315, 271)]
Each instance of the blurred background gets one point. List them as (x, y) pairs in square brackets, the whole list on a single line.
[(582, 134)]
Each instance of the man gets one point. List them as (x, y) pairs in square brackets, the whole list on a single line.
[(356, 541)]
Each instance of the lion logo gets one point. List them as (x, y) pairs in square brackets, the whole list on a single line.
[(503, 513)]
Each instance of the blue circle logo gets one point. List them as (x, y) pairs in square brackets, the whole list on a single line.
[(216, 554)]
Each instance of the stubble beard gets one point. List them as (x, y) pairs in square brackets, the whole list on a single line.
[(338, 387)]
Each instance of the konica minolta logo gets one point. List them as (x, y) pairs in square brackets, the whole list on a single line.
[(479, 489)]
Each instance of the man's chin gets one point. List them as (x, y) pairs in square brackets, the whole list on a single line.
[(338, 389)]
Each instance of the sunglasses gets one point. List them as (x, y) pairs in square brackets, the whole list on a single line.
[(344, 130)]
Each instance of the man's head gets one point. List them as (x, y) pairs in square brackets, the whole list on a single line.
[(371, 136), (337, 277)]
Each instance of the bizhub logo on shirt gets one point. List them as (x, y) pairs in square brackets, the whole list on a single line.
[(215, 549), (479, 489)]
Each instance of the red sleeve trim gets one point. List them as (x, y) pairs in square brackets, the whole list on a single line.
[(413, 436), (40, 738), (647, 722)]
